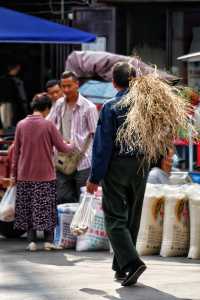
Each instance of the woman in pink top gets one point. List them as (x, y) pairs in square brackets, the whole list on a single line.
[(34, 173)]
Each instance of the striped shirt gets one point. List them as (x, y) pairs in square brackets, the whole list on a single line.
[(83, 123)]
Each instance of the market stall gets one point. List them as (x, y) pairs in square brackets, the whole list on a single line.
[(16, 27)]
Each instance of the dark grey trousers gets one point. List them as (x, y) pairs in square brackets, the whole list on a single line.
[(123, 192), (68, 186)]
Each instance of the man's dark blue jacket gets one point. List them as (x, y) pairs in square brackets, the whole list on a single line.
[(105, 147)]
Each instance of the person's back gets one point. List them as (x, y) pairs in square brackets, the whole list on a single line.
[(36, 146), (13, 102), (158, 176), (35, 138), (33, 173), (123, 178)]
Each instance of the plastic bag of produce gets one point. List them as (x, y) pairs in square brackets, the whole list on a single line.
[(176, 222), (151, 225), (95, 237), (193, 193), (7, 205), (84, 215), (63, 236)]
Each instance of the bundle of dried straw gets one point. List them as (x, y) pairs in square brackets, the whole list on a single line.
[(155, 114)]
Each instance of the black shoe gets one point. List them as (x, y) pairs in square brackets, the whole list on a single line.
[(133, 276), (120, 276)]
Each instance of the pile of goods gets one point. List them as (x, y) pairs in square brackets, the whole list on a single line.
[(81, 226), (170, 224), (155, 115)]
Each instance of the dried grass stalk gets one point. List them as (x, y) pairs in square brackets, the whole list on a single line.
[(155, 114)]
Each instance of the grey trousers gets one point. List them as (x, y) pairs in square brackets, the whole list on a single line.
[(68, 186)]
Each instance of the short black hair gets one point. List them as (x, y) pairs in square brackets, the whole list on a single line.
[(12, 65), (40, 103), (67, 74), (123, 72), (51, 83)]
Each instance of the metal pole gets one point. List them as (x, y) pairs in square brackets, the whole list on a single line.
[(61, 46), (191, 154), (62, 10), (42, 72)]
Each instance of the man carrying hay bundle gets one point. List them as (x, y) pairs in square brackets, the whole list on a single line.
[(133, 130)]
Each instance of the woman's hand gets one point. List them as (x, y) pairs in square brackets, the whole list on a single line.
[(12, 181), (5, 182)]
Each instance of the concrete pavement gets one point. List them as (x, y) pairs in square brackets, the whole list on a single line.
[(68, 275)]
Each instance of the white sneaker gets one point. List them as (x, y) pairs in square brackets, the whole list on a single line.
[(32, 247), (50, 246)]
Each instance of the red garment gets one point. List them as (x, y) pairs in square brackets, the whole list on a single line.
[(35, 138), (10, 156)]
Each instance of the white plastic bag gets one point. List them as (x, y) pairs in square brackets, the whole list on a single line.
[(7, 205), (95, 237), (176, 222), (84, 215), (63, 236), (151, 224)]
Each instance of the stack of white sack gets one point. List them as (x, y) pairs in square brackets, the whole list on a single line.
[(175, 240), (151, 226), (193, 193)]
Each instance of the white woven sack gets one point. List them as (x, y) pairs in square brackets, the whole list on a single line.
[(7, 205), (193, 193), (151, 224), (176, 223), (84, 215), (95, 237), (63, 236), (179, 178)]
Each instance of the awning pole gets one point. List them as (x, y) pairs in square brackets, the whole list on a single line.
[(62, 4), (191, 151)]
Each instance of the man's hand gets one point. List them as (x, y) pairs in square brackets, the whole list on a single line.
[(92, 187)]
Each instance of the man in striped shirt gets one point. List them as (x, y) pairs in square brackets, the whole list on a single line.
[(76, 119)]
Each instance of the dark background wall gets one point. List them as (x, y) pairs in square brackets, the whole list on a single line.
[(39, 62)]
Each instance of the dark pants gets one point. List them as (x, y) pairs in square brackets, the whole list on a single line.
[(68, 186), (123, 192), (48, 236)]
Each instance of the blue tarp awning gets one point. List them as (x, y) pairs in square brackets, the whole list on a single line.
[(16, 27)]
